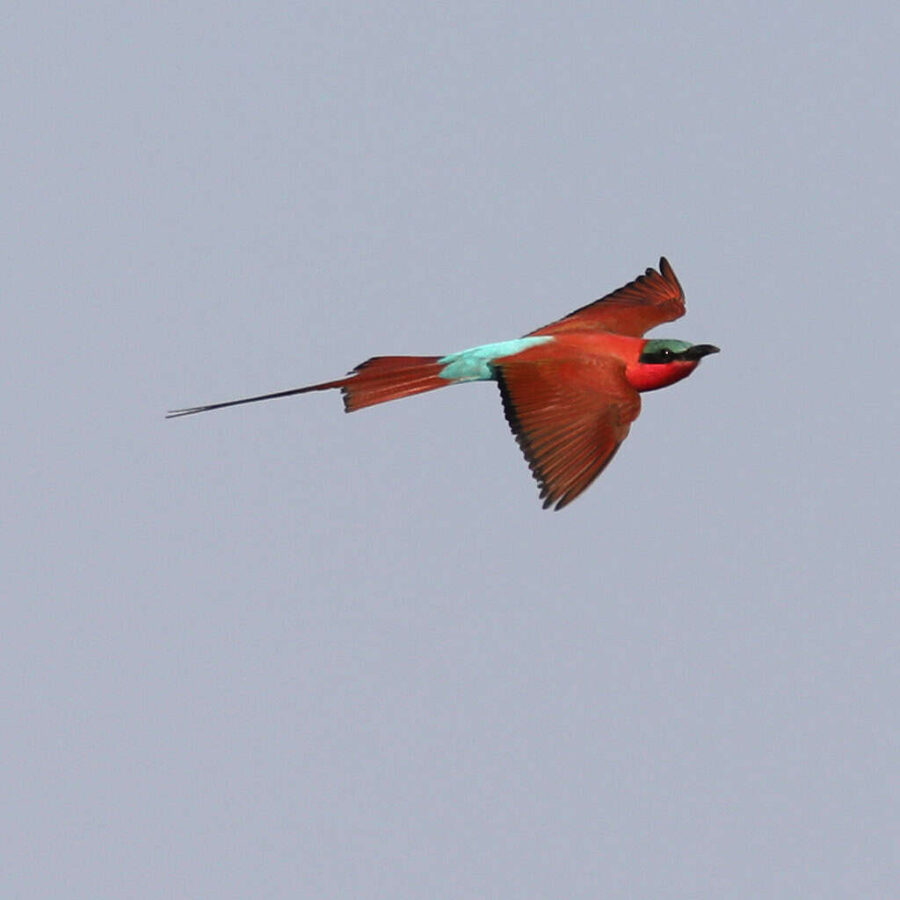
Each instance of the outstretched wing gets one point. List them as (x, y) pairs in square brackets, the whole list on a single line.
[(648, 301), (569, 417)]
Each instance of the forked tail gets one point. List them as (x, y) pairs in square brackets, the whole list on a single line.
[(377, 380)]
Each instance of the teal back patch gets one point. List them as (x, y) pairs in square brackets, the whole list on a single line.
[(476, 363)]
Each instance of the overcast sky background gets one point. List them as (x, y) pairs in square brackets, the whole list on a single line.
[(278, 651)]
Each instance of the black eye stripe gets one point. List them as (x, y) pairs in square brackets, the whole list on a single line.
[(659, 356), (662, 352)]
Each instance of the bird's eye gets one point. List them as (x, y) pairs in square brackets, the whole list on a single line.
[(665, 355)]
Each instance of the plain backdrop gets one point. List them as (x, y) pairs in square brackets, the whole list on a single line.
[(277, 651)]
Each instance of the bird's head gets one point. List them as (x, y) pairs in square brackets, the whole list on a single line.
[(663, 362)]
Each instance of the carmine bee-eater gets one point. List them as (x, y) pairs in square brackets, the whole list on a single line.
[(570, 390)]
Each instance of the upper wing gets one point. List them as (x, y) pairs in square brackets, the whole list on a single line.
[(569, 417), (649, 300)]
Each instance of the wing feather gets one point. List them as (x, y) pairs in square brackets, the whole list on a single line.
[(642, 304), (569, 417)]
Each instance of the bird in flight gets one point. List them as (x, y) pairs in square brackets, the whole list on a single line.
[(570, 389)]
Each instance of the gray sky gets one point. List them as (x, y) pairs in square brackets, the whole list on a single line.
[(277, 651)]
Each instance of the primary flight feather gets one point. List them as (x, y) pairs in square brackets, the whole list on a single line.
[(570, 390)]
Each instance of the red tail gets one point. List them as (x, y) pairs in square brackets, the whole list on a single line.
[(376, 380), (384, 378)]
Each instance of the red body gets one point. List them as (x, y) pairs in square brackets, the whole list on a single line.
[(569, 389)]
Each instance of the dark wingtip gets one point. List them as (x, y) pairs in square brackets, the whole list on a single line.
[(667, 272)]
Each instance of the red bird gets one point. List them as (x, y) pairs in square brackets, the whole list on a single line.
[(570, 390)]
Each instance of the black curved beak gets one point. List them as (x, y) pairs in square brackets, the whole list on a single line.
[(698, 351)]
